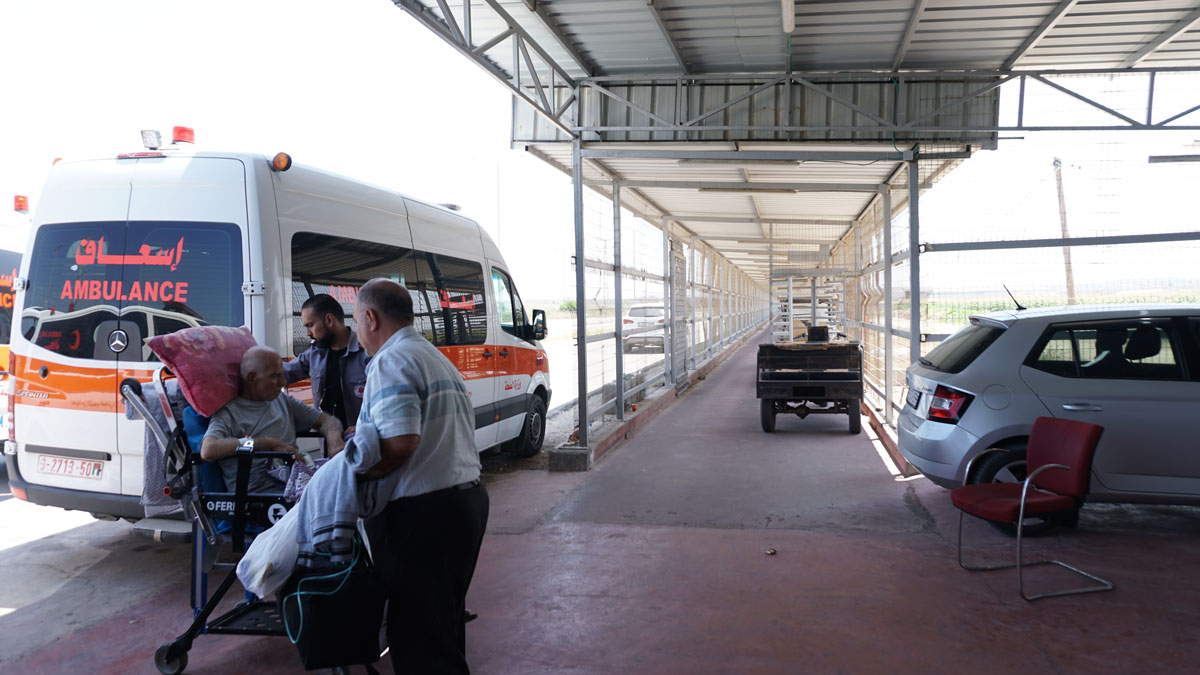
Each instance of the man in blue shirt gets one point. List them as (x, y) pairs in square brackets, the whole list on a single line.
[(426, 541), (335, 364)]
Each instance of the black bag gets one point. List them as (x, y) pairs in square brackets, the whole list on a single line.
[(333, 613)]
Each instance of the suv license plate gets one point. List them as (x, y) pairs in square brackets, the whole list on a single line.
[(913, 398), (63, 466)]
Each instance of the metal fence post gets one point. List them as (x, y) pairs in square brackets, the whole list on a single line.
[(580, 297), (914, 262), (617, 312), (887, 306)]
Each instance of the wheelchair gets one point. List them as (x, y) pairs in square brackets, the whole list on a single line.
[(217, 516)]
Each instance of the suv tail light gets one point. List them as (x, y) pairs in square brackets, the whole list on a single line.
[(948, 405), (627, 321)]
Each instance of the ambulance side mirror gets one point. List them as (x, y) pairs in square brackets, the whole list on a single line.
[(538, 329)]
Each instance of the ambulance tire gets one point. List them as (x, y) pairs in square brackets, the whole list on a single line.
[(529, 443)]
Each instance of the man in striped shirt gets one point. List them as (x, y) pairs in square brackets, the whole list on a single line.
[(426, 542)]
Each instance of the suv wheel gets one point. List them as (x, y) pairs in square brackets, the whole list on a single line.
[(1008, 466)]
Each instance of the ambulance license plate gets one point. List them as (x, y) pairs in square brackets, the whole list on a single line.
[(63, 466)]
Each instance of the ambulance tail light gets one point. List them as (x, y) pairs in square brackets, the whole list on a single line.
[(183, 135), (21, 203)]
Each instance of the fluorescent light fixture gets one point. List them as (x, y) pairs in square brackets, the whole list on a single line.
[(747, 191), (789, 15)]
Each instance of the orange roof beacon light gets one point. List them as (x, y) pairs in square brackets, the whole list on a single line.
[(151, 139), (183, 135), (21, 203), (281, 162)]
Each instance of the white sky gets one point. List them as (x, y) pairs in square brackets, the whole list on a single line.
[(359, 88), (356, 87)]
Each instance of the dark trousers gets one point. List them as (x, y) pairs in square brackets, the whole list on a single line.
[(425, 548)]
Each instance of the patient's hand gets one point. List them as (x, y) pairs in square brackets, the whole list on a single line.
[(271, 444)]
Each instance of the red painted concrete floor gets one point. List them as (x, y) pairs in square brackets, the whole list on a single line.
[(654, 563)]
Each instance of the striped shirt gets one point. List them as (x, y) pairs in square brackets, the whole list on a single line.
[(413, 389)]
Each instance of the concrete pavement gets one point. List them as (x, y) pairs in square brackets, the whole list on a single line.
[(654, 562)]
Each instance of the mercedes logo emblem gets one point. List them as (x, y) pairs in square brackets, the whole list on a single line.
[(117, 341)]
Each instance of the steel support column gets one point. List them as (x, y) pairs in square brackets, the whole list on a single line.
[(668, 333), (580, 297), (692, 317), (887, 307), (914, 262), (617, 312)]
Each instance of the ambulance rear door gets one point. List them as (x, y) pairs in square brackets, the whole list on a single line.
[(65, 379), (184, 260)]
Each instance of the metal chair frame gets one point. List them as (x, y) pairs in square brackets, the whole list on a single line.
[(1103, 585)]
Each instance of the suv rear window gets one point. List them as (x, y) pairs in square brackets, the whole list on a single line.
[(147, 278), (646, 311), (959, 350)]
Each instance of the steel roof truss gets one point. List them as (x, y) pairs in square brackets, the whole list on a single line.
[(913, 20), (732, 102), (1038, 33), (538, 10), (1181, 26), (746, 186), (666, 32), (446, 27), (1094, 104), (962, 100)]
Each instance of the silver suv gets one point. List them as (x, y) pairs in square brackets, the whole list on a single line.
[(1133, 369)]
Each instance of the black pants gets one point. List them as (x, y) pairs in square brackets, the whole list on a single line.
[(425, 548)]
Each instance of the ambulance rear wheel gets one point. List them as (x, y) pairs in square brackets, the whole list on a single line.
[(534, 433), (169, 663)]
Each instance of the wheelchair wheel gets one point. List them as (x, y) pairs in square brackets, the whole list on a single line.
[(170, 659)]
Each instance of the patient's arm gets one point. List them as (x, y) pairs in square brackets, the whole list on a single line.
[(331, 429)]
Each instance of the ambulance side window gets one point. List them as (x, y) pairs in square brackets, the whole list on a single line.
[(508, 303), (454, 290), (339, 266)]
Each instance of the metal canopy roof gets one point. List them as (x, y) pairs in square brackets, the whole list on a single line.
[(638, 37), (624, 54)]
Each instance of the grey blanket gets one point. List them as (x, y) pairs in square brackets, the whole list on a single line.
[(154, 475), (335, 499)]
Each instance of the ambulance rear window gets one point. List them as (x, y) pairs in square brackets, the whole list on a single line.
[(10, 262), (146, 278)]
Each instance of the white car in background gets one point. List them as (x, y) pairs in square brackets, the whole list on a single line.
[(639, 318), (1132, 369)]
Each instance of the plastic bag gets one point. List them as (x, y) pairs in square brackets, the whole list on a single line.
[(271, 557)]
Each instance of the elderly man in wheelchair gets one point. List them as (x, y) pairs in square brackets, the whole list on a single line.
[(262, 418)]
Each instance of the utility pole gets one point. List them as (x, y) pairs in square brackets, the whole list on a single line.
[(1062, 219)]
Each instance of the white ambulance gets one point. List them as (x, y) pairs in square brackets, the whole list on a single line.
[(145, 243)]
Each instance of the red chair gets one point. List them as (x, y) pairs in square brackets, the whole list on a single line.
[(1059, 464)]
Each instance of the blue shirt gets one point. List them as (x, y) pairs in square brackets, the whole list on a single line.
[(412, 388), (311, 365)]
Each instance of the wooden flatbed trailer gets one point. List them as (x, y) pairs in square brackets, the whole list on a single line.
[(804, 378)]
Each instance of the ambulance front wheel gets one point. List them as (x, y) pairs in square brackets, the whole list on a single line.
[(529, 443)]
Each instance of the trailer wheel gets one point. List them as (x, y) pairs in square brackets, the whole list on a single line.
[(855, 416), (766, 409)]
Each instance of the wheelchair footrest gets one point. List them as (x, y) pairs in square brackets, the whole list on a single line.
[(260, 617)]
